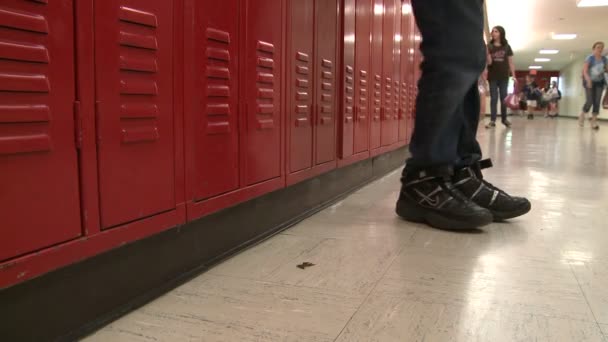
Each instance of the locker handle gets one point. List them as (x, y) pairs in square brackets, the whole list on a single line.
[(325, 120)]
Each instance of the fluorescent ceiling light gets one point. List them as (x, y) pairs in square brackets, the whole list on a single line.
[(548, 52), (535, 67), (564, 36), (591, 3), (542, 59)]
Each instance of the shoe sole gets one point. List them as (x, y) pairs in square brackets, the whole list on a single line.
[(503, 216), (433, 219)]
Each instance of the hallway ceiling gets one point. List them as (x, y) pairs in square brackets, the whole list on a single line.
[(531, 23)]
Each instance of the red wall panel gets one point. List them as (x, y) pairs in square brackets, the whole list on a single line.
[(134, 90), (39, 194), (300, 72), (377, 72), (326, 32), (212, 101), (363, 76), (261, 57)]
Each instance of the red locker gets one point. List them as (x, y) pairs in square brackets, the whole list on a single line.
[(394, 128), (39, 190), (326, 31), (417, 60), (300, 84), (261, 90), (212, 100), (377, 72), (406, 67), (363, 76), (388, 74), (348, 78), (134, 90)]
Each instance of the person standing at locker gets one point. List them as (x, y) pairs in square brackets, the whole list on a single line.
[(500, 67), (442, 181)]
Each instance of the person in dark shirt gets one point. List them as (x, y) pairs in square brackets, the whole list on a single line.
[(500, 67), (442, 181)]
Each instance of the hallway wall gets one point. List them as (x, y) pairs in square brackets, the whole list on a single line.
[(573, 95)]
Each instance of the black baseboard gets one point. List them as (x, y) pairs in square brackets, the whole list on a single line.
[(73, 301)]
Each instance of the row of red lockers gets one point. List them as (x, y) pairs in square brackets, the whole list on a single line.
[(121, 118)]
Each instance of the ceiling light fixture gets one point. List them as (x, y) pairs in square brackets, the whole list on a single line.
[(535, 67), (591, 3), (548, 52), (542, 59), (564, 36)]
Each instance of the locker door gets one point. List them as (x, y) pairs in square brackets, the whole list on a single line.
[(363, 77), (300, 84), (261, 80), (39, 195), (394, 135), (417, 60), (376, 105), (348, 78), (406, 67), (388, 45), (214, 76), (134, 76), (326, 32)]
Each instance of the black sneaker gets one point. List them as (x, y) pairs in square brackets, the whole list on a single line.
[(435, 201), (502, 206), (530, 116), (506, 123), (491, 124)]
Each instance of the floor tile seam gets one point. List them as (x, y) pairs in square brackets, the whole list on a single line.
[(587, 300), (371, 291)]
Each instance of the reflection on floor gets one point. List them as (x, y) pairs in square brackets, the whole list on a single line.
[(543, 277)]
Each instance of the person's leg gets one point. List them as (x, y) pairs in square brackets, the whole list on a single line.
[(503, 87), (469, 151), (493, 100), (597, 90), (586, 106), (454, 57)]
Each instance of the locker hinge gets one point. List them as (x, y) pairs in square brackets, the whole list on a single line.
[(78, 124)]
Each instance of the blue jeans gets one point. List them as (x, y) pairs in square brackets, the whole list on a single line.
[(498, 90), (448, 103), (593, 97)]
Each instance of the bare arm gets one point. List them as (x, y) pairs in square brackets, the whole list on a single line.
[(586, 72), (489, 57), (512, 67)]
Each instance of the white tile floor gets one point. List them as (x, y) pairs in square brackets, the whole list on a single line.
[(543, 277)]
